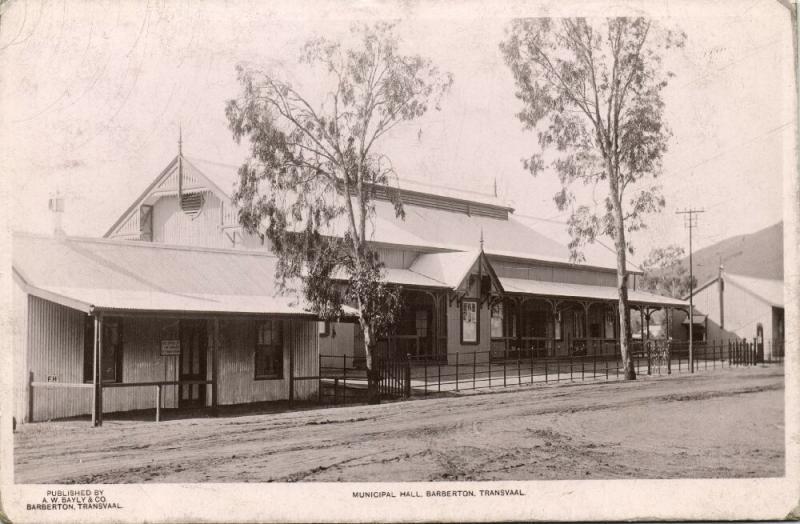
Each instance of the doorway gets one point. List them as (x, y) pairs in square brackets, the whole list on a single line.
[(194, 342)]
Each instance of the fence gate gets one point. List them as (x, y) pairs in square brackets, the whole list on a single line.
[(395, 377)]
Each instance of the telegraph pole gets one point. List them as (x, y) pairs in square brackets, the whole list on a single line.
[(690, 222)]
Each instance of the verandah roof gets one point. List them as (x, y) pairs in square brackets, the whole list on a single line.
[(584, 291), (104, 275)]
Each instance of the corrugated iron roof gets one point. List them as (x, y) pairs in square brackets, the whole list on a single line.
[(561, 289), (227, 175), (768, 290), (104, 274), (448, 268), (408, 277), (440, 229)]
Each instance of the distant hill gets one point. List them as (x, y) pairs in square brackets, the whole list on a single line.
[(758, 254)]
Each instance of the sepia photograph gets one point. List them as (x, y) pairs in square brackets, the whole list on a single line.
[(407, 259)]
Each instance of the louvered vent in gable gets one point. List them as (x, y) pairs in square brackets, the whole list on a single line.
[(191, 203)]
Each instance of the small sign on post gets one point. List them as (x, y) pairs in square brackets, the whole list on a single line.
[(170, 348)]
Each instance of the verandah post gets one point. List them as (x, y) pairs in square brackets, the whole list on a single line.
[(158, 402), (344, 379), (97, 410), (215, 369), (30, 399), (319, 379)]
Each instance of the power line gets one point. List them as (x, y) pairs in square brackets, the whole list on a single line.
[(690, 222)]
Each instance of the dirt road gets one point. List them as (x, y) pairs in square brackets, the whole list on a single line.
[(725, 423)]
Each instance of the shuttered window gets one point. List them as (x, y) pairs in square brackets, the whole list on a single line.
[(191, 203)]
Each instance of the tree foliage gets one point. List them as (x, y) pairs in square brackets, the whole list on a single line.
[(592, 91), (315, 169), (665, 272)]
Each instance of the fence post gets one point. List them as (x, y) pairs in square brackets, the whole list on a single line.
[(649, 358), (558, 369), (474, 358), (545, 369), (344, 385), (407, 377), (439, 376), (594, 364), (319, 379), (570, 366), (714, 354), (158, 402), (505, 361), (426, 378), (519, 370), (669, 357), (457, 371)]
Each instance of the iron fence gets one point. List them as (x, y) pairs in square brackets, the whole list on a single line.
[(343, 379)]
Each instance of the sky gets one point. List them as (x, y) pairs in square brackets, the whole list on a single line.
[(92, 95)]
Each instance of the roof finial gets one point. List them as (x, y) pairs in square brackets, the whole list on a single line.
[(180, 140), (481, 238), (495, 187)]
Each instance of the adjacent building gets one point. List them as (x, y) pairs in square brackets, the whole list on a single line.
[(741, 292)]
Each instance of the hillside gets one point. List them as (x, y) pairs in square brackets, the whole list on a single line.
[(758, 254)]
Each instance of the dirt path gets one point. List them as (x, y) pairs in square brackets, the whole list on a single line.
[(713, 424)]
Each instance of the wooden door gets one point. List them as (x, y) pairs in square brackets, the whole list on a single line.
[(193, 363)]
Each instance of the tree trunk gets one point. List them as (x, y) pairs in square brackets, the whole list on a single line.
[(622, 280), (373, 367)]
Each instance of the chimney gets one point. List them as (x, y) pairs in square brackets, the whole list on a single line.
[(56, 206)]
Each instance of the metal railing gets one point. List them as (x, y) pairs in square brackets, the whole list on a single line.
[(404, 377)]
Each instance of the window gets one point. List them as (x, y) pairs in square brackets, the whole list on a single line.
[(269, 350), (323, 328), (111, 350), (191, 203), (146, 223), (497, 320), (469, 322)]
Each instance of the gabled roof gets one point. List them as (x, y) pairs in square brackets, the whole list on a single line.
[(765, 289), (452, 268), (110, 275), (199, 177), (425, 227), (768, 290)]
